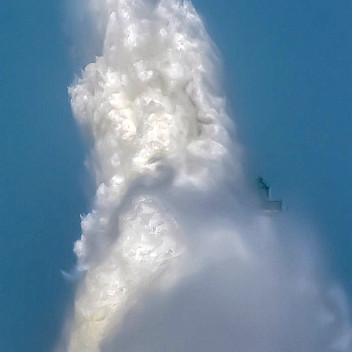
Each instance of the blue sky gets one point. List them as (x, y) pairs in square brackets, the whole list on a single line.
[(288, 80)]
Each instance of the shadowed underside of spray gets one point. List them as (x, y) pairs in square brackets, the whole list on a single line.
[(149, 104)]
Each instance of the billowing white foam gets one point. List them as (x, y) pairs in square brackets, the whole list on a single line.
[(158, 129), (148, 103), (146, 248)]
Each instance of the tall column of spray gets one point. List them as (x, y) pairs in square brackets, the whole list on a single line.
[(148, 104)]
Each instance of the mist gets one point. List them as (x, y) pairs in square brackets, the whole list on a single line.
[(176, 253)]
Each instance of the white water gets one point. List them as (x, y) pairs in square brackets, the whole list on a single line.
[(160, 154), (150, 107)]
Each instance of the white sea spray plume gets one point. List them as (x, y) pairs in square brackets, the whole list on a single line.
[(160, 155), (150, 108)]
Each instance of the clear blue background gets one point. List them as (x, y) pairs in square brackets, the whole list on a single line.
[(288, 77)]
